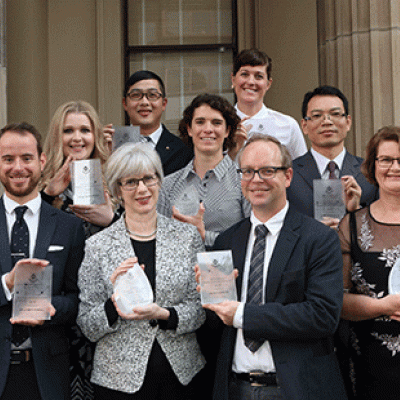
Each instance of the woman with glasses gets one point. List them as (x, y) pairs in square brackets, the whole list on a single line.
[(251, 79), (370, 239), (151, 352), (208, 126)]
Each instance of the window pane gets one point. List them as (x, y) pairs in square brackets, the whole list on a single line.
[(185, 76), (168, 22)]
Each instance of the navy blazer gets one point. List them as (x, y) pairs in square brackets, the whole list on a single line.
[(305, 170), (173, 152), (304, 294), (49, 342)]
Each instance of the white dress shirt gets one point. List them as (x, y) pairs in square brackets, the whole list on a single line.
[(322, 163), (243, 359), (31, 217)]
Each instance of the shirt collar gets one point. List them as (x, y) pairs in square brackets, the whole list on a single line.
[(322, 161), (155, 136), (33, 205), (274, 224), (220, 170), (259, 115)]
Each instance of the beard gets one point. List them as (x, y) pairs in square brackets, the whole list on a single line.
[(23, 191)]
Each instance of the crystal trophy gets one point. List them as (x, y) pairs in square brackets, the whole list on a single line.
[(87, 182), (32, 292), (328, 199), (133, 289), (188, 202), (125, 134), (216, 279)]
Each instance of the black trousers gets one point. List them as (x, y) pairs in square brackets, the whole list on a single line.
[(21, 383)]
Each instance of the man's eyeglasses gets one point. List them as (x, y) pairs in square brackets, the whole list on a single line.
[(247, 174), (334, 116), (137, 94), (386, 162), (133, 183)]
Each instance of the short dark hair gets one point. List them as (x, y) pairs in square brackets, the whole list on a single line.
[(217, 103), (324, 91), (384, 134), (143, 76), (22, 128), (253, 57)]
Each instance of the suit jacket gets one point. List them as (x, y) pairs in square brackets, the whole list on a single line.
[(304, 293), (123, 349), (49, 342), (173, 152), (305, 170)]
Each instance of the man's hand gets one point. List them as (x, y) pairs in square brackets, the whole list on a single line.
[(10, 277), (225, 310), (32, 321)]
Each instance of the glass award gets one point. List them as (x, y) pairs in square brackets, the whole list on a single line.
[(188, 202), (32, 292), (216, 279), (394, 278), (133, 289), (328, 199), (125, 134), (87, 182)]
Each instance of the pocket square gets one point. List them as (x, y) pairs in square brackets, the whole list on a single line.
[(55, 247)]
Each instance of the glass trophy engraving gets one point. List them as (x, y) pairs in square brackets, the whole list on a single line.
[(32, 292), (87, 182), (126, 134), (394, 278), (328, 199), (216, 279), (188, 202), (133, 289)]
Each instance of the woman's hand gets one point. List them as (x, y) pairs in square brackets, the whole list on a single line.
[(241, 136), (97, 214), (108, 133), (61, 179), (152, 311), (196, 220), (352, 192), (331, 222), (123, 268)]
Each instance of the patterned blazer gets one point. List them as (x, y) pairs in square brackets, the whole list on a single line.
[(123, 350)]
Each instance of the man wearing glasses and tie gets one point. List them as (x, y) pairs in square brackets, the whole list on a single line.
[(144, 101), (326, 122)]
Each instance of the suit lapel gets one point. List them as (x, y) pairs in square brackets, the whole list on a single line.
[(307, 168), (163, 148), (5, 253), (47, 225), (351, 166), (239, 247), (284, 246)]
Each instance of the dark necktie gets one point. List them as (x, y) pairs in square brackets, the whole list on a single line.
[(255, 283), (332, 168), (19, 250)]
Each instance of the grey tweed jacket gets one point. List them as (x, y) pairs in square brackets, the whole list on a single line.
[(123, 350)]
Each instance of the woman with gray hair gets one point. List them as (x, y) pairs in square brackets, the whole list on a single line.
[(152, 352)]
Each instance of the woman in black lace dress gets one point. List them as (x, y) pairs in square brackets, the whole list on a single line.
[(370, 240)]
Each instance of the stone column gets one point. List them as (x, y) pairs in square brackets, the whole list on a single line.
[(3, 65), (359, 52)]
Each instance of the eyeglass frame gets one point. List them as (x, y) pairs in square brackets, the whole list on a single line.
[(336, 115), (142, 94), (392, 160), (125, 187), (254, 171)]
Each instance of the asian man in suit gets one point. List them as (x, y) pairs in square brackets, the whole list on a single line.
[(326, 122), (34, 353), (277, 340), (145, 101)]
